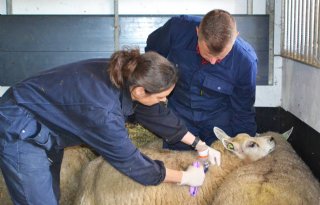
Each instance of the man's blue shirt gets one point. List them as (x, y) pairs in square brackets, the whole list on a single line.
[(207, 95)]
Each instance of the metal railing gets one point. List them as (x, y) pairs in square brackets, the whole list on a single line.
[(301, 31)]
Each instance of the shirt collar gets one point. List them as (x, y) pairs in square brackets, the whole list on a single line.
[(204, 61)]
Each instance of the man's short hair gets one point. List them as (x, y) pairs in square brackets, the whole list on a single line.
[(217, 29)]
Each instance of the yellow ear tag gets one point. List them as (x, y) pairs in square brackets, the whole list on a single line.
[(230, 146)]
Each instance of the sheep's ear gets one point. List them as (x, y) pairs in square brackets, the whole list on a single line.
[(220, 133), (287, 134), (228, 145)]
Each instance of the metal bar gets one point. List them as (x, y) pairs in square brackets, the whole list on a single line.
[(293, 36), (270, 11), (116, 25), (309, 31), (283, 41), (292, 30), (249, 7), (307, 36), (300, 27), (288, 26), (303, 30), (317, 33), (296, 30), (298, 42), (9, 6)]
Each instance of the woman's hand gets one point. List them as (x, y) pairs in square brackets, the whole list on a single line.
[(204, 151), (193, 176)]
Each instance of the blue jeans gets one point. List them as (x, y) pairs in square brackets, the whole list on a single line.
[(29, 162)]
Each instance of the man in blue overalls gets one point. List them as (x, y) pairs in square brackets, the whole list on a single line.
[(217, 70)]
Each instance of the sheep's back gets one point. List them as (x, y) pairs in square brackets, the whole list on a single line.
[(102, 184), (281, 178), (74, 160)]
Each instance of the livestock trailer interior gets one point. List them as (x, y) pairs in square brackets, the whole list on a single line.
[(35, 36)]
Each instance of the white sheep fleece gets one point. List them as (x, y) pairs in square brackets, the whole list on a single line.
[(101, 184), (75, 159), (281, 178)]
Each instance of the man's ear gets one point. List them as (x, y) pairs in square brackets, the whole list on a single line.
[(197, 30), (138, 92)]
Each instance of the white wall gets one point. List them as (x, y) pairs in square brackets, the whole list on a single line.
[(180, 7), (301, 88), (130, 6), (271, 95), (2, 6), (3, 89), (62, 6)]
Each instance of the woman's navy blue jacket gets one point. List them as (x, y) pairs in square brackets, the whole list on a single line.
[(78, 102), (207, 95)]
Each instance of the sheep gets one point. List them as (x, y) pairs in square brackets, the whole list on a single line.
[(76, 158), (74, 161), (4, 194), (101, 184), (281, 178)]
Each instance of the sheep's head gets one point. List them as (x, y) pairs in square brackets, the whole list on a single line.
[(247, 147)]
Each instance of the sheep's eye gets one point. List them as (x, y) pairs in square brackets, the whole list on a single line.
[(230, 146), (252, 144)]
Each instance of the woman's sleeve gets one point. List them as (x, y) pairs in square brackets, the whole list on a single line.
[(109, 137), (161, 121)]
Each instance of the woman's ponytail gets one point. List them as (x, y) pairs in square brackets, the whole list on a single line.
[(150, 70), (122, 64)]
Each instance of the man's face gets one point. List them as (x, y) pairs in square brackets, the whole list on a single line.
[(206, 54)]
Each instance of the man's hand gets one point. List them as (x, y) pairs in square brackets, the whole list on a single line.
[(213, 155), (193, 176)]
